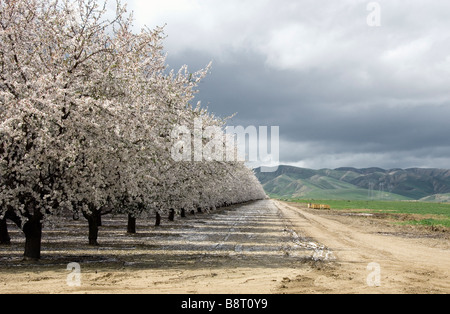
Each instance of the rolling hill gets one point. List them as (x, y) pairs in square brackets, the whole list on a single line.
[(357, 184)]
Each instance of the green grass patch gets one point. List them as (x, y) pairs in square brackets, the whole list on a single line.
[(440, 213), (429, 222)]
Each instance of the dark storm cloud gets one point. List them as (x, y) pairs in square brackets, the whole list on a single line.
[(351, 124), (343, 93)]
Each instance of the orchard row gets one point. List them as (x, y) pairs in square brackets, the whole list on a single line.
[(87, 109)]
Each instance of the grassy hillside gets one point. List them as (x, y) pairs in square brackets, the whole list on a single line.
[(357, 184), (437, 198)]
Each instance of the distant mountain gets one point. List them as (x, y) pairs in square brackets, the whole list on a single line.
[(357, 184)]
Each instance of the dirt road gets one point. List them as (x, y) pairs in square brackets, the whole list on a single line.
[(371, 256), (262, 247)]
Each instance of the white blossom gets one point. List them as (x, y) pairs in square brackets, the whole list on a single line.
[(86, 110)]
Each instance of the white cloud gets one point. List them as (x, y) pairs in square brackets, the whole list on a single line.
[(208, 26), (299, 35), (301, 47), (410, 52), (154, 11)]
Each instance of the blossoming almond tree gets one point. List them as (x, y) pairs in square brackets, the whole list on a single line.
[(86, 110), (67, 82)]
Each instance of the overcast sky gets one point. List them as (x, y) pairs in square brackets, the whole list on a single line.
[(342, 92)]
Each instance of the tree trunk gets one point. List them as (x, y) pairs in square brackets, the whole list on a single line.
[(4, 235), (131, 227), (33, 236), (93, 230), (172, 215), (183, 213), (93, 221), (99, 218), (158, 220)]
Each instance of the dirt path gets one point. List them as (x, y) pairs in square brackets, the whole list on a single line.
[(368, 259), (262, 247)]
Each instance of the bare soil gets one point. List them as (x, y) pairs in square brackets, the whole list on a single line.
[(265, 247), (411, 259)]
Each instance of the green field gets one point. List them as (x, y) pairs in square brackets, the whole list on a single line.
[(434, 214)]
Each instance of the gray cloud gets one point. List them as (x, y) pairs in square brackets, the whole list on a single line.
[(343, 93)]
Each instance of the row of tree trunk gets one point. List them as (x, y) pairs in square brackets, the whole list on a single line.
[(33, 228)]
